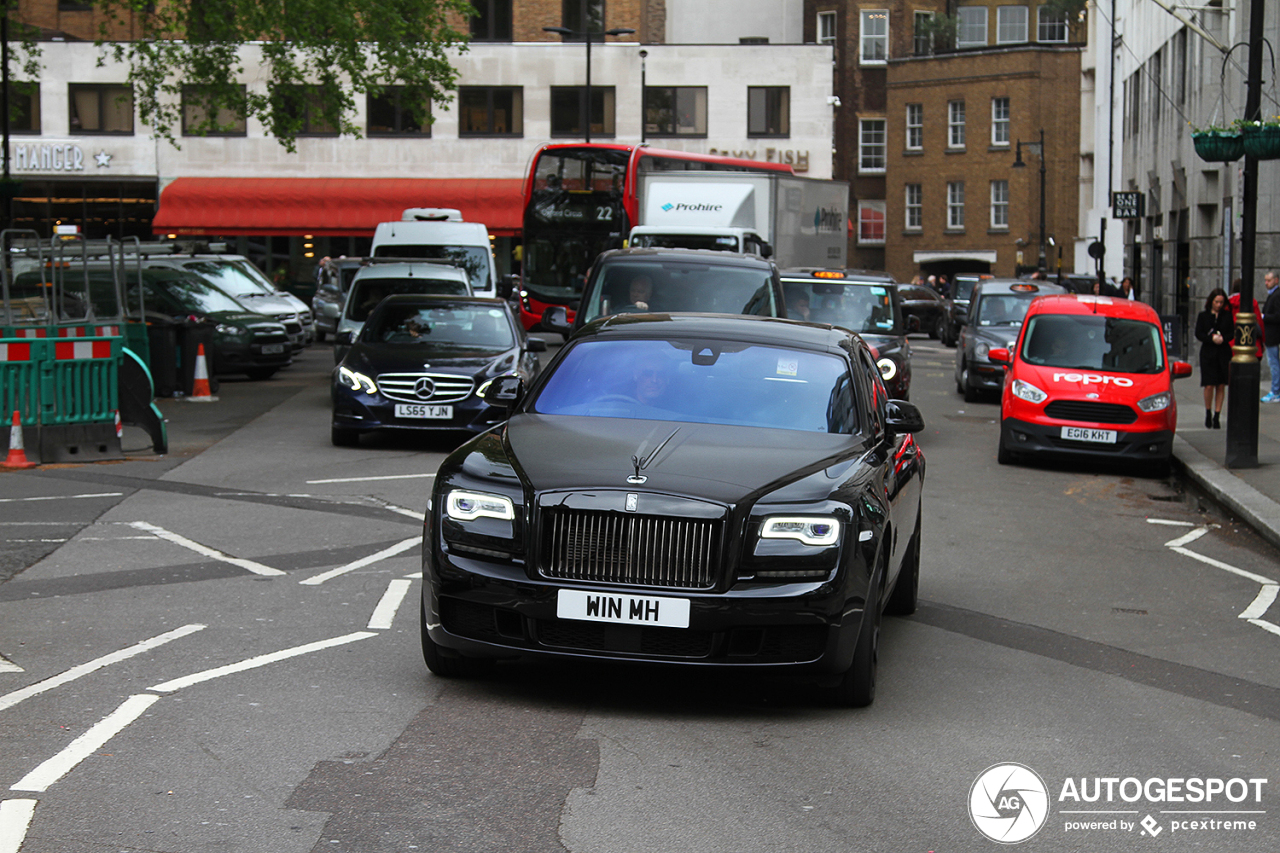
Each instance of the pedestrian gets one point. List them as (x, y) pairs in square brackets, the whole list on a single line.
[(1271, 333), (1214, 330), (1127, 290), (1234, 301), (944, 286)]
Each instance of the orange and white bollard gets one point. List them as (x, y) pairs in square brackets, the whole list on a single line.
[(17, 455), (200, 393)]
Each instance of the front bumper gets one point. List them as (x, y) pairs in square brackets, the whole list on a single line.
[(368, 412), (1020, 436), (235, 356)]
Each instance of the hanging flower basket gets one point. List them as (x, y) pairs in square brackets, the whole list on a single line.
[(1218, 146), (1260, 140)]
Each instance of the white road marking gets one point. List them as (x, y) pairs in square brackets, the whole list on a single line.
[(1262, 601), (371, 479), (15, 817), (62, 497), (82, 747), (260, 660), (385, 612), (1261, 604), (10, 699), (414, 576), (204, 550), (397, 548), (7, 665), (1188, 538), (1266, 626), (1226, 567), (1170, 522)]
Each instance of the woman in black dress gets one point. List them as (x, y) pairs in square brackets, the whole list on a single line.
[(1215, 328)]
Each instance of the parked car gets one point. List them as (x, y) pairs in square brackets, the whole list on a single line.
[(663, 281), (924, 309), (372, 283), (424, 363), (1089, 376), (237, 276), (995, 316), (612, 517), (957, 304), (866, 303), (333, 282)]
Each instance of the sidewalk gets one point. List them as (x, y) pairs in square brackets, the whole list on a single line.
[(1252, 494)]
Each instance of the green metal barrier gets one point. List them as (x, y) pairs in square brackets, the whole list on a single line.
[(20, 361)]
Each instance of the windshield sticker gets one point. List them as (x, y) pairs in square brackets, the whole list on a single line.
[(788, 366), (879, 291)]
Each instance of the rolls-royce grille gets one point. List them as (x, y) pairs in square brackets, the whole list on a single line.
[(630, 549), (1083, 410), (425, 387)]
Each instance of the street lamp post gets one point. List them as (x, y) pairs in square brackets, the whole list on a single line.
[(643, 117), (1038, 149), (587, 37)]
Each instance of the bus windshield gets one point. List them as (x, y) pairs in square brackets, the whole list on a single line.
[(575, 212)]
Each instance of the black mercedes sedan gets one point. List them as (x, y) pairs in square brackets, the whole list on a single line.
[(688, 489), (423, 362)]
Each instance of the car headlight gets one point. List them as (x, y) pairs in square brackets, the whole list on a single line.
[(468, 506), (227, 329), (818, 532), (888, 369), (981, 350), (356, 381), (1026, 391), (1156, 402)]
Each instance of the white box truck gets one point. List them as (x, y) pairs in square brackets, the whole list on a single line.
[(798, 222), (438, 233)]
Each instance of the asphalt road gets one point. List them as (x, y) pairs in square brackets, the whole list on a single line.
[(218, 650)]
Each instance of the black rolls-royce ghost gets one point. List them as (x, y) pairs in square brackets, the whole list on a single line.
[(685, 489)]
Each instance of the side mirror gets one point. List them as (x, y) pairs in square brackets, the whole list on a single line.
[(1000, 355), (504, 392), (1182, 369), (913, 324), (535, 345), (556, 319), (507, 285), (766, 250), (901, 416), (344, 338)]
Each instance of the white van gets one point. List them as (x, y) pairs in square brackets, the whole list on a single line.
[(437, 233)]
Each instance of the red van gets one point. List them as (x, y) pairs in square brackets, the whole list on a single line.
[(1089, 376)]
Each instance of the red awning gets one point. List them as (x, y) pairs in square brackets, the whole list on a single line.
[(328, 207)]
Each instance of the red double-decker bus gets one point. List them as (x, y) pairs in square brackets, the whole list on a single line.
[(580, 200)]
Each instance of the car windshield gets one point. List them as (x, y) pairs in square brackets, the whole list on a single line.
[(1093, 342), (963, 288), (473, 260), (710, 382), (630, 287), (234, 277), (1002, 309), (862, 308), (462, 326), (191, 295), (368, 292)]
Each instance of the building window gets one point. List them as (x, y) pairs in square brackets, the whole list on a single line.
[(305, 103), (914, 198), (100, 108), (196, 116), (871, 222), (999, 204), (566, 110), (583, 16), (955, 205), (875, 36), (922, 41), (390, 114), (915, 127), (1011, 24), (492, 21), (871, 145), (1051, 25), (675, 110), (1000, 121), (24, 107), (955, 124), (490, 111), (768, 111), (972, 28), (826, 28)]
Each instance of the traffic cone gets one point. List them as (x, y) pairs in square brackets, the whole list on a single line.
[(200, 393), (17, 456)]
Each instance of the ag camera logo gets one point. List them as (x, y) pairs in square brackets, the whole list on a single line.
[(1008, 803)]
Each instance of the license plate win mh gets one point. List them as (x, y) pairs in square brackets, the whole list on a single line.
[(622, 609)]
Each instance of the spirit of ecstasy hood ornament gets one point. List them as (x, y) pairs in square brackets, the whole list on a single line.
[(641, 461)]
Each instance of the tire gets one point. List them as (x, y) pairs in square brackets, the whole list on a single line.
[(939, 330), (320, 336), (445, 665), (906, 592), (970, 393), (857, 687), (1004, 455), (258, 374), (344, 437)]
